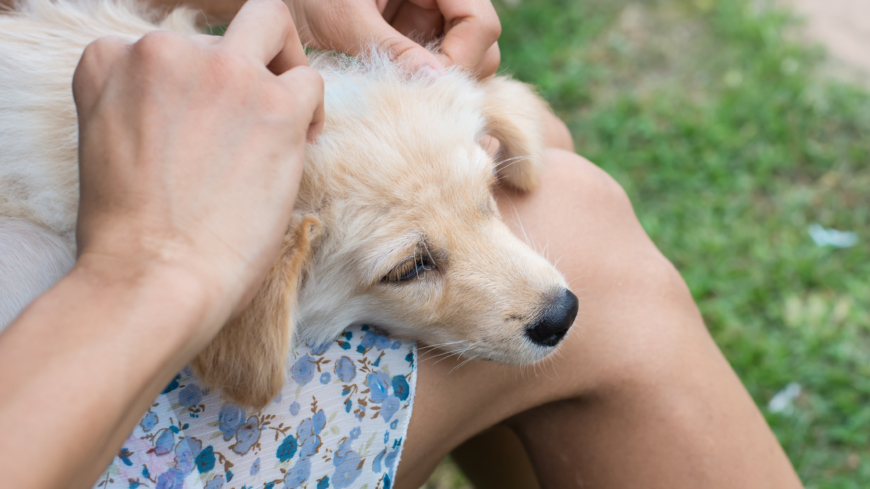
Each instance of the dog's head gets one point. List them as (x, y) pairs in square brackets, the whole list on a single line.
[(396, 224), (412, 239)]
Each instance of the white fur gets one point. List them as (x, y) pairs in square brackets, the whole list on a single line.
[(32, 259)]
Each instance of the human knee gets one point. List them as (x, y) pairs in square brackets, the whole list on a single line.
[(655, 340), (562, 164), (556, 133), (587, 214), (588, 184), (636, 311)]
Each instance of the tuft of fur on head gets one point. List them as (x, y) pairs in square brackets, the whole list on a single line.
[(397, 179), (512, 112)]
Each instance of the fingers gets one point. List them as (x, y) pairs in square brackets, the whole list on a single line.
[(307, 85), (93, 70), (264, 30), (418, 21), (488, 66), (407, 52), (472, 28), (403, 50)]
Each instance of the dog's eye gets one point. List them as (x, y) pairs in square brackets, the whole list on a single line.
[(410, 268)]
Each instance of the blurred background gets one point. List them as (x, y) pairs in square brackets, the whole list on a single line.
[(741, 131)]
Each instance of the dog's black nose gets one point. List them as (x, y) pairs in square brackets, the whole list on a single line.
[(555, 323)]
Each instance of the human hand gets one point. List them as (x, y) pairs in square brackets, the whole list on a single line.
[(191, 150), (470, 29)]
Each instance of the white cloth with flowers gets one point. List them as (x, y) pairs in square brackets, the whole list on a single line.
[(338, 423)]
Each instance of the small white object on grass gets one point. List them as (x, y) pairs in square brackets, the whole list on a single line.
[(783, 401), (832, 237)]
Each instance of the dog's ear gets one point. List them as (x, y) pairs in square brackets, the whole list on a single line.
[(515, 117), (247, 360)]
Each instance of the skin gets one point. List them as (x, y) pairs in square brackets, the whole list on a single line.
[(470, 29), (167, 251), (638, 395)]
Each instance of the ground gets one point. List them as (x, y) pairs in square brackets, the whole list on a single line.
[(735, 133), (843, 28)]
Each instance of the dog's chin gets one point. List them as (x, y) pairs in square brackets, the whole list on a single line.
[(526, 353)]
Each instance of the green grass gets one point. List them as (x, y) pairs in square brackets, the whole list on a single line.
[(731, 142)]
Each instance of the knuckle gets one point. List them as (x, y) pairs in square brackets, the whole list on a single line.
[(91, 58), (489, 22), (275, 9), (102, 51), (310, 78), (492, 27), (492, 60), (158, 47), (96, 60), (305, 85)]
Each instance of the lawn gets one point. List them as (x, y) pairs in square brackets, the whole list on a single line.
[(732, 141)]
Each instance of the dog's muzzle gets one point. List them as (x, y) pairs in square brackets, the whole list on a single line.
[(555, 322)]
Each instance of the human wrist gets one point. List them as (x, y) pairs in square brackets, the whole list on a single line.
[(106, 339), (185, 303)]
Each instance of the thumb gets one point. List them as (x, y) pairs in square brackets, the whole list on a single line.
[(404, 51)]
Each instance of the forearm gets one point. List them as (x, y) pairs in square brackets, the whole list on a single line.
[(82, 364)]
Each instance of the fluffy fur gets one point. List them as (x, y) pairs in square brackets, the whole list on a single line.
[(396, 177)]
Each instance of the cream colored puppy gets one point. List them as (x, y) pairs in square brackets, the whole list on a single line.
[(395, 222)]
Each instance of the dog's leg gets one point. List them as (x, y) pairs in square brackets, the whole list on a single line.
[(32, 259)]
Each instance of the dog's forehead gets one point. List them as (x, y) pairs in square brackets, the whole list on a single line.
[(407, 139), (386, 101), (402, 157)]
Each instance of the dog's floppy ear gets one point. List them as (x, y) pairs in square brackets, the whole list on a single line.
[(515, 117), (247, 360)]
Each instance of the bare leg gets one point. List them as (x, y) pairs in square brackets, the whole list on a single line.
[(495, 459), (637, 396)]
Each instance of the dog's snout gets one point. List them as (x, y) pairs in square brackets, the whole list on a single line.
[(556, 321)]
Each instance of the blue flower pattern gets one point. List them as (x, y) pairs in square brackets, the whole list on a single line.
[(230, 417), (310, 437)]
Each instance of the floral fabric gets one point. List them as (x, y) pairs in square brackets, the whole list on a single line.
[(338, 423)]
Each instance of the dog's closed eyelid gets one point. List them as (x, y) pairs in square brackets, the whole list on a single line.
[(410, 268)]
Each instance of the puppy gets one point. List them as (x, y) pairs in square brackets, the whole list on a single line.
[(395, 222)]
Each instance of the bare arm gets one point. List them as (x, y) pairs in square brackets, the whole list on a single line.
[(83, 363), (167, 251)]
